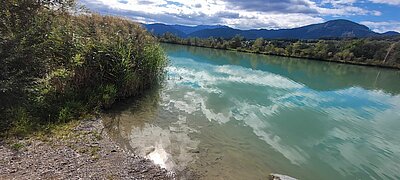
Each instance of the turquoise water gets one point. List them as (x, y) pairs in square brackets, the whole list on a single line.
[(231, 115)]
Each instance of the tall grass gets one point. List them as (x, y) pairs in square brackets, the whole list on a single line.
[(58, 66)]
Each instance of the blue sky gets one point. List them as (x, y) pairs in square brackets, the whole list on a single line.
[(379, 15)]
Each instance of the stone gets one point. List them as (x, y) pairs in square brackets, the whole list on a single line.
[(280, 177)]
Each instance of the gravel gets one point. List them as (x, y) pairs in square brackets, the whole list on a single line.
[(86, 152)]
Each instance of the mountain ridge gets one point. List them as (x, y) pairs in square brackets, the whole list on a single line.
[(340, 28)]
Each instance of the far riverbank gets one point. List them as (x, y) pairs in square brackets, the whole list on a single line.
[(383, 53)]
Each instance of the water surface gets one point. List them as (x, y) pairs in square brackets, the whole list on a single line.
[(231, 115)]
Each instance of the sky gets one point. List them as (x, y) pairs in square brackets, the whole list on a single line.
[(379, 15)]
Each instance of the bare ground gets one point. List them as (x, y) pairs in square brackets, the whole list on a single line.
[(78, 150)]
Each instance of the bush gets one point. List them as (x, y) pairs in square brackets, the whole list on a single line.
[(57, 66)]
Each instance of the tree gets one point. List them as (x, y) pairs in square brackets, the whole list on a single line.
[(236, 42), (258, 44)]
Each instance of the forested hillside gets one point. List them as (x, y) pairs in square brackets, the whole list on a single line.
[(340, 28)]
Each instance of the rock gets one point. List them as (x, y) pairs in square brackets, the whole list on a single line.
[(194, 151), (149, 150), (280, 177), (219, 158)]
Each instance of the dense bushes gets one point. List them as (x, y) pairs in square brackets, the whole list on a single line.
[(59, 64), (383, 51)]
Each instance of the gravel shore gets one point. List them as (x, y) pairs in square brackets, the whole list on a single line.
[(79, 151)]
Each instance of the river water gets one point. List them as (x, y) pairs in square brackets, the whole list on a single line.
[(231, 115)]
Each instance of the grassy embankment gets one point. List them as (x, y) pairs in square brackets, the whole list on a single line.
[(59, 64)]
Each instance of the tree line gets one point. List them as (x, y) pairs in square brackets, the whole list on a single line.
[(60, 62), (379, 51)]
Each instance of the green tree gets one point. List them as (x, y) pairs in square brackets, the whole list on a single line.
[(258, 45), (236, 42)]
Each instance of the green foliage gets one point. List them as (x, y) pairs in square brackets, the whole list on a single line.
[(22, 123), (258, 45), (57, 66), (236, 42), (17, 146), (109, 94), (383, 51)]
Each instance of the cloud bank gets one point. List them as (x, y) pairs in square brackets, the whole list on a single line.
[(243, 14)]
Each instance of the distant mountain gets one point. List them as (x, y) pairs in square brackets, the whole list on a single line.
[(191, 29), (391, 33), (160, 29), (330, 29), (179, 30), (220, 32)]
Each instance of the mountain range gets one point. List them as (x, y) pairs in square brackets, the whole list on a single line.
[(331, 29)]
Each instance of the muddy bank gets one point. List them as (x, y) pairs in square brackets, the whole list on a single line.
[(76, 151)]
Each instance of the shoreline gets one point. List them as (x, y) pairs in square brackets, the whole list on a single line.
[(366, 64), (80, 149)]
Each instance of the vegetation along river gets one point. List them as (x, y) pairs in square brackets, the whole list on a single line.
[(231, 115)]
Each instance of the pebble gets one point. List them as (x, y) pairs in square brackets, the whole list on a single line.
[(60, 159)]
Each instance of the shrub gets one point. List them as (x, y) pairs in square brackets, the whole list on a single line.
[(57, 66)]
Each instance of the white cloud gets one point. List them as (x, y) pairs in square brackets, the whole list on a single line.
[(338, 2), (391, 2), (383, 26), (342, 10), (239, 14), (347, 2), (202, 12)]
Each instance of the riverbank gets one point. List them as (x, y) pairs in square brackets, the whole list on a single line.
[(76, 150), (373, 51), (370, 64)]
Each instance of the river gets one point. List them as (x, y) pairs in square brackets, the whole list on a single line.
[(232, 115)]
